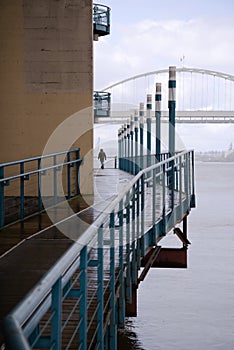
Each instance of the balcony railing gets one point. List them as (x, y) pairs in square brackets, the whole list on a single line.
[(101, 20), (102, 104)]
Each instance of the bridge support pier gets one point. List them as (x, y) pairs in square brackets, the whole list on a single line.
[(131, 308)]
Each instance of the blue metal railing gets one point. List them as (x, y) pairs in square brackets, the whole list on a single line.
[(81, 300), (21, 183), (101, 19)]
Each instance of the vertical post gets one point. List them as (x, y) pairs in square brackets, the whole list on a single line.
[(56, 321), (121, 311), (69, 175), (128, 252), (77, 172), (83, 299), (136, 143), (125, 147), (142, 215), (131, 143), (158, 98), (193, 200), (39, 184), (171, 106), (148, 121), (128, 146), (141, 135), (138, 224), (21, 191), (113, 330), (119, 147), (2, 201), (55, 180), (100, 312), (154, 207)]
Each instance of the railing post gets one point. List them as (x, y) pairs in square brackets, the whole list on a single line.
[(193, 200), (158, 98), (128, 146), (125, 147), (119, 147), (136, 143), (142, 215), (83, 299), (154, 207), (171, 106), (141, 135), (21, 191), (55, 180), (39, 184), (69, 175), (2, 199), (164, 178), (131, 143), (113, 328), (138, 224), (121, 310), (56, 321), (77, 172), (148, 121), (100, 316), (128, 251), (133, 238)]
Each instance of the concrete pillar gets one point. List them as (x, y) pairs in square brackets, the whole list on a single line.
[(136, 142), (148, 122), (46, 68), (158, 98), (141, 134)]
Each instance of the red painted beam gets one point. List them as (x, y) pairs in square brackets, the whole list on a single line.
[(168, 258)]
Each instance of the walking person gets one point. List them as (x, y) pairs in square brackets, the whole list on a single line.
[(102, 157)]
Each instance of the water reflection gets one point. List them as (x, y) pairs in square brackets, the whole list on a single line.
[(127, 338)]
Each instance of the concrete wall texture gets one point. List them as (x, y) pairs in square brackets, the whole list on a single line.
[(46, 72)]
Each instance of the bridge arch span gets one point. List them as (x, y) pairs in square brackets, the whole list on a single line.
[(178, 70)]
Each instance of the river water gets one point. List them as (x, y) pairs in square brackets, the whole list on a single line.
[(193, 308)]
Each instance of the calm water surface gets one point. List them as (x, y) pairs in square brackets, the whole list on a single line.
[(193, 309)]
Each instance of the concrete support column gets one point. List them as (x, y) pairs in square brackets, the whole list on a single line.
[(141, 135), (148, 121), (131, 143), (158, 98), (128, 145), (125, 146), (136, 143), (171, 106)]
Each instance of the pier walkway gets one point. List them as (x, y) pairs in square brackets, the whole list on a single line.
[(70, 285)]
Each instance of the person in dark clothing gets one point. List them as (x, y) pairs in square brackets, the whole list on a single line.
[(102, 157)]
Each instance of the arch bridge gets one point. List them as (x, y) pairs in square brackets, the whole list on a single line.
[(204, 96)]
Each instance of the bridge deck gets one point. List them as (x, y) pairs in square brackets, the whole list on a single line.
[(40, 245), (23, 266)]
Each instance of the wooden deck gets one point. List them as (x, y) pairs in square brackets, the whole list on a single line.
[(36, 244), (29, 249)]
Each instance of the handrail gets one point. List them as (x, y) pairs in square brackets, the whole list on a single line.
[(22, 312), (21, 183), (26, 160)]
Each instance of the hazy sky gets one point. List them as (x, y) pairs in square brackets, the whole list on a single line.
[(150, 35)]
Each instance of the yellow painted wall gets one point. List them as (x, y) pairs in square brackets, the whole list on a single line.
[(46, 74)]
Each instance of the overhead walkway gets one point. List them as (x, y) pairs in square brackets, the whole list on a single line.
[(82, 274)]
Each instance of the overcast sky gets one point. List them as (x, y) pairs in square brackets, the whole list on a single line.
[(150, 35)]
